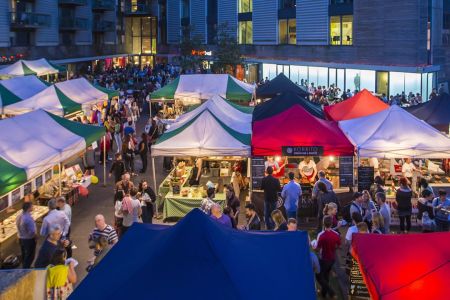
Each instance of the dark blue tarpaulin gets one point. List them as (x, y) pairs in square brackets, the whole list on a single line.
[(199, 258), (283, 102), (435, 112), (278, 85)]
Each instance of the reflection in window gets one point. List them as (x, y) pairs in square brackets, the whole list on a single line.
[(245, 32), (287, 31), (245, 6), (269, 71), (341, 30)]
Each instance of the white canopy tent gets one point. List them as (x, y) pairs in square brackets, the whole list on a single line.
[(223, 110), (395, 133), (38, 67), (61, 99), (19, 88)]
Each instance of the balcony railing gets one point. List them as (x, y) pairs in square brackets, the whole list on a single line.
[(103, 26), (72, 2), (73, 24), (137, 9), (103, 4), (29, 20)]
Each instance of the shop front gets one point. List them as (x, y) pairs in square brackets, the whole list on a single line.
[(387, 80)]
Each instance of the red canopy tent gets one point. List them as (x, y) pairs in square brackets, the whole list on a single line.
[(297, 127), (360, 105), (413, 266)]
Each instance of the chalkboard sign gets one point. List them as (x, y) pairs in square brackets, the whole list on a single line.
[(258, 172), (302, 150), (357, 288), (346, 171), (365, 178)]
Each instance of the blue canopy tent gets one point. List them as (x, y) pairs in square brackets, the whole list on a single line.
[(199, 258), (435, 112)]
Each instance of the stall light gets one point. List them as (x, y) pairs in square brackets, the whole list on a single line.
[(277, 158), (331, 158)]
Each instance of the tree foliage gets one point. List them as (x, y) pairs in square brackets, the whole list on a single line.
[(227, 54), (188, 46)]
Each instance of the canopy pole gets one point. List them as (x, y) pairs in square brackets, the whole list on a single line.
[(67, 75), (104, 160), (59, 178), (48, 78), (250, 182), (358, 162), (154, 186)]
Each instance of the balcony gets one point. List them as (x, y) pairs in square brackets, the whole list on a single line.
[(102, 5), (72, 2), (73, 24), (137, 9), (103, 26), (29, 20)]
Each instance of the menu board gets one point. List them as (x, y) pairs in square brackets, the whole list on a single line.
[(346, 171), (357, 288), (258, 172), (365, 178), (302, 150)]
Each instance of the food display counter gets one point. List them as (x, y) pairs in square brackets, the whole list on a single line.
[(8, 229)]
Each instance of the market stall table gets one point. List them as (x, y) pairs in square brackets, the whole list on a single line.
[(177, 206)]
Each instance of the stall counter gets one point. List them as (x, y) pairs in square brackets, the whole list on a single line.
[(177, 206)]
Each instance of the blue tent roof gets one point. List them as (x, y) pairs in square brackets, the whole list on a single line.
[(201, 259), (435, 112)]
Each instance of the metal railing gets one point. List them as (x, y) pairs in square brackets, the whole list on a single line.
[(103, 4), (101, 26), (73, 23), (29, 19)]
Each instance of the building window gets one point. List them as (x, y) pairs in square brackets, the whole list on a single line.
[(245, 6), (185, 9), (283, 4), (212, 21), (246, 32), (341, 30), (287, 30), (141, 36)]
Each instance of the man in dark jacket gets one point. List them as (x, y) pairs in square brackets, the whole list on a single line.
[(271, 187), (118, 168), (253, 222)]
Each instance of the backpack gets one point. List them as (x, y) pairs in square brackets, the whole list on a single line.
[(346, 212)]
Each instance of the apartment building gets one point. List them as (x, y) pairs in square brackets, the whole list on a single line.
[(386, 46), (71, 31)]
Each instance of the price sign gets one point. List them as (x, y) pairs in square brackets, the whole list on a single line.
[(365, 178), (258, 172)]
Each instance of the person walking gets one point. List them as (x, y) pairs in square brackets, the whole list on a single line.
[(385, 211), (64, 207), (117, 168), (55, 216), (271, 186), (131, 208), (143, 151), (26, 232), (291, 193), (404, 205), (323, 197), (60, 276), (327, 243), (147, 198)]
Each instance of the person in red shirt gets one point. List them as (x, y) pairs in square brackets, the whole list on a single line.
[(327, 242)]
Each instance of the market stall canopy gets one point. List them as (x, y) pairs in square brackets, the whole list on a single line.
[(62, 98), (203, 135), (395, 133), (297, 127), (401, 274), (278, 85), (38, 67), (283, 102), (196, 87), (34, 142), (110, 93), (435, 112), (19, 88), (238, 118), (198, 258), (360, 105)]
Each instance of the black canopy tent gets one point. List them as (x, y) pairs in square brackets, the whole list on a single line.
[(283, 102), (435, 112), (279, 85)]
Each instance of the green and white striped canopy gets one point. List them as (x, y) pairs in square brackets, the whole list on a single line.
[(19, 88), (196, 87), (39, 67), (33, 142), (62, 98), (203, 135)]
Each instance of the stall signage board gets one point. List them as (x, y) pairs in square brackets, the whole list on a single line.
[(357, 288), (302, 150), (258, 171), (365, 178), (346, 171)]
